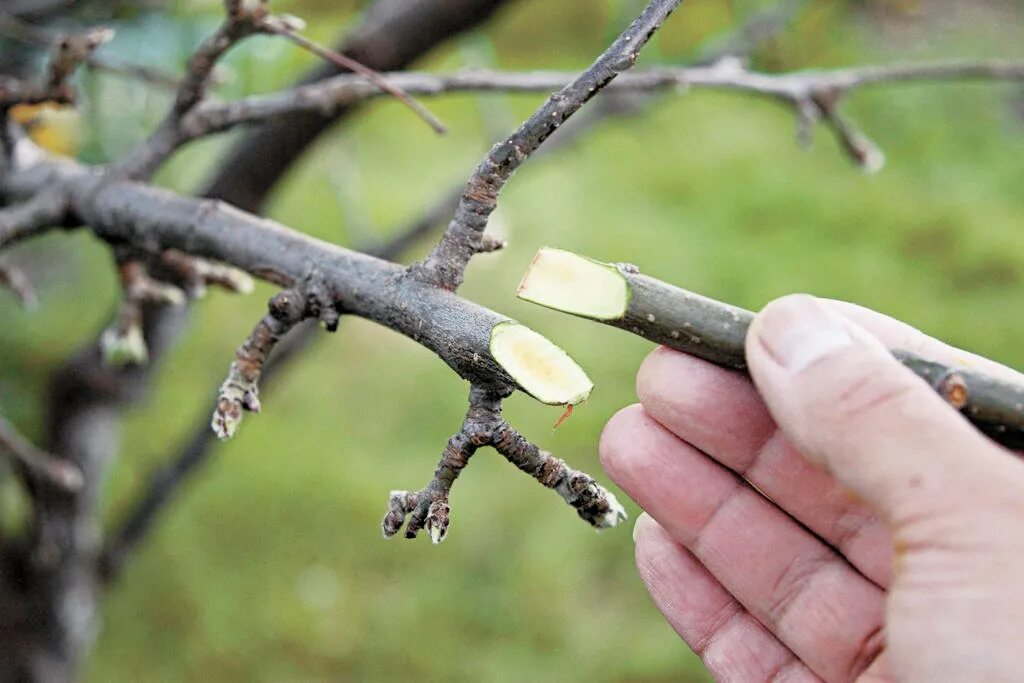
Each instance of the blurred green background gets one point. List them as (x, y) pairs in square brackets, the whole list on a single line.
[(270, 565)]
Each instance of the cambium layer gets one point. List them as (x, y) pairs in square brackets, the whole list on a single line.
[(620, 296)]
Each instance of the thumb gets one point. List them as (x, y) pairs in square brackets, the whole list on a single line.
[(848, 405)]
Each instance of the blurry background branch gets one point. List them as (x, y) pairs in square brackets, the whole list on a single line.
[(393, 34), (88, 395), (814, 95)]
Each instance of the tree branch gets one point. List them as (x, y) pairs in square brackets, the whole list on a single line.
[(618, 295), (70, 51), (392, 34), (38, 463), (15, 280), (168, 478), (285, 29), (484, 426), (446, 263), (814, 95), (154, 220), (243, 19), (171, 476), (240, 391), (35, 215), (30, 34)]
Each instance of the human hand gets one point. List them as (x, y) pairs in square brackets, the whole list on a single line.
[(888, 543)]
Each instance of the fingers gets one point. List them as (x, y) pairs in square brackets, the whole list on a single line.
[(824, 611), (720, 413), (732, 643), (898, 335), (848, 405)]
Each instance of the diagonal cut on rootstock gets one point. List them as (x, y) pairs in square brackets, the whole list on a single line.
[(540, 367), (618, 295)]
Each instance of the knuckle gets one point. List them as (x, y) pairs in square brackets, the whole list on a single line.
[(793, 583), (614, 445)]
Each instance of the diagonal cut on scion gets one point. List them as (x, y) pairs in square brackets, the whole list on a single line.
[(618, 295)]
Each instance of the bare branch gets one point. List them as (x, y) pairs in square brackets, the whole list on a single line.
[(123, 343), (594, 504), (240, 391), (38, 463), (279, 27), (168, 478), (391, 35), (446, 264), (196, 274), (85, 400), (458, 331), (429, 508), (815, 95), (37, 214), (241, 21)]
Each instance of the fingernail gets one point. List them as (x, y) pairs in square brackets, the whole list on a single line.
[(798, 331), (640, 521)]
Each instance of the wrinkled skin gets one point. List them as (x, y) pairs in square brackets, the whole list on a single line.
[(831, 520)]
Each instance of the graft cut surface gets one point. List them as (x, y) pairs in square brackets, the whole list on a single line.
[(540, 367), (575, 284)]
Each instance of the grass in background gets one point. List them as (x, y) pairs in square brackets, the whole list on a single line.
[(270, 566)]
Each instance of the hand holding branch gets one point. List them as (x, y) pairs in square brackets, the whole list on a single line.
[(832, 519)]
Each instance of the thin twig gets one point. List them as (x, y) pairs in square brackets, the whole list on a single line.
[(38, 36), (391, 35), (283, 29), (240, 391), (814, 94), (69, 52), (446, 264), (147, 156), (39, 463), (241, 21), (428, 508)]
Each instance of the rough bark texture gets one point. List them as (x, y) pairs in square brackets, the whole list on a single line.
[(167, 479), (48, 611), (484, 426), (122, 211), (446, 263)]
